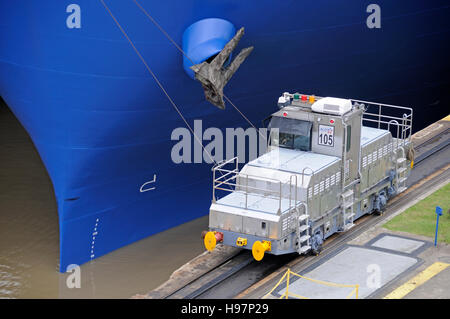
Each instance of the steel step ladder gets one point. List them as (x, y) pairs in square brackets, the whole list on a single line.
[(347, 210), (401, 177), (303, 233)]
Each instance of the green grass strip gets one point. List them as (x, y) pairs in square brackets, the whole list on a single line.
[(420, 219)]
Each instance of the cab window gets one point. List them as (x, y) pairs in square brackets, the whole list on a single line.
[(293, 134)]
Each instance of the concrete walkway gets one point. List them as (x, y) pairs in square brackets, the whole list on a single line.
[(372, 266)]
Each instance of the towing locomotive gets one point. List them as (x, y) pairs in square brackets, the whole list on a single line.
[(323, 169)]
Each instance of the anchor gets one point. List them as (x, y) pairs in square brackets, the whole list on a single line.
[(214, 76)]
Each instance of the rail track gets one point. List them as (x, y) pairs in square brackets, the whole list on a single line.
[(238, 273)]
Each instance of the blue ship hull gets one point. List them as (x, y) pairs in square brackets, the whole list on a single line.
[(103, 127)]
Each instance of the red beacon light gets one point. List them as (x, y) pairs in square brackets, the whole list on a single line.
[(285, 114), (331, 121), (304, 97)]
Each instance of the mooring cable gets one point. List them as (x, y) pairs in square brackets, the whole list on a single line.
[(156, 80), (149, 16)]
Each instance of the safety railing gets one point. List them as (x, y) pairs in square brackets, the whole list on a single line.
[(287, 277), (231, 180), (386, 115), (381, 114)]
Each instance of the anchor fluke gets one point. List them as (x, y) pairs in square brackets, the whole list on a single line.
[(214, 76)]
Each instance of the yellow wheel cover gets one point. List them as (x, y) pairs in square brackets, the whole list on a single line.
[(210, 241), (258, 250)]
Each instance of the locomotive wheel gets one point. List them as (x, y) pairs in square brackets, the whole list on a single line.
[(378, 213), (317, 251)]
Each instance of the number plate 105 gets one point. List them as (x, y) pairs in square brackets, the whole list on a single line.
[(326, 135)]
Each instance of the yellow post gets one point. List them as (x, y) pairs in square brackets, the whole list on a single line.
[(287, 282), (288, 278), (278, 283)]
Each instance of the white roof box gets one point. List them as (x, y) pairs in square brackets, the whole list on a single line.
[(332, 105)]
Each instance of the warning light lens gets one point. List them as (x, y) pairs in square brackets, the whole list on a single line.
[(304, 97), (331, 121), (312, 99), (285, 114)]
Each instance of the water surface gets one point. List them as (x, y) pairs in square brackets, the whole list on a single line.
[(29, 235)]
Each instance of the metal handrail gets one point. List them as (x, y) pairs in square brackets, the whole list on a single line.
[(226, 182), (246, 185), (398, 126), (222, 163), (388, 116), (226, 174), (396, 165), (290, 191), (246, 188), (303, 172), (404, 130), (383, 104)]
